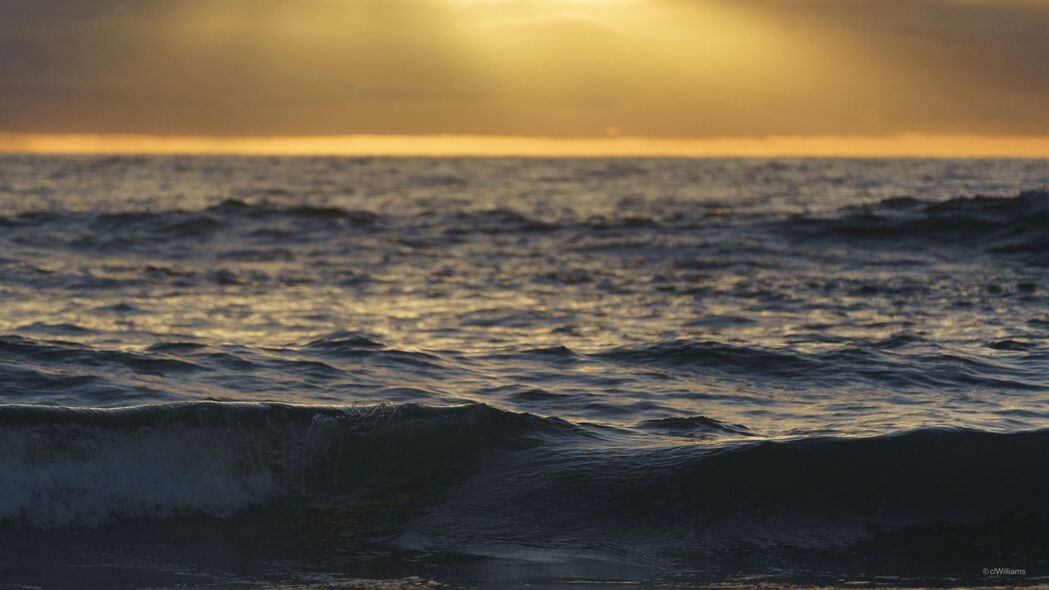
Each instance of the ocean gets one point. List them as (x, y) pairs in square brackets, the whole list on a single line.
[(499, 372)]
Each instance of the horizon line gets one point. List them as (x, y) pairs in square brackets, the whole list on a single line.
[(903, 145)]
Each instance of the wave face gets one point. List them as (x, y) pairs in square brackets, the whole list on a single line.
[(308, 371), (92, 467), (473, 481)]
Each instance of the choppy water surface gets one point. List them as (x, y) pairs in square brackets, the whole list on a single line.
[(492, 371)]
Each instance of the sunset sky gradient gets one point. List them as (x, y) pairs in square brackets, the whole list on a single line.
[(586, 77)]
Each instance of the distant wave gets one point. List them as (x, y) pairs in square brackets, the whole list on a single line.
[(262, 215), (844, 365), (1005, 225), (97, 375), (188, 223)]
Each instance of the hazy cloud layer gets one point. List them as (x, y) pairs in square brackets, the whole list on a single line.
[(532, 67)]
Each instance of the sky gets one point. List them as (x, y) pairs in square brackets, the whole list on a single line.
[(657, 75)]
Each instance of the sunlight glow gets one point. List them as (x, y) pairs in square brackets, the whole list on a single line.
[(459, 145)]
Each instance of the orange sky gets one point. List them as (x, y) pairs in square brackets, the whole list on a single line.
[(580, 77), (471, 145)]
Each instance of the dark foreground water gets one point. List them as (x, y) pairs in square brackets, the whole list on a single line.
[(496, 372)]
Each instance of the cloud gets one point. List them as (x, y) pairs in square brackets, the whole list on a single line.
[(1000, 41)]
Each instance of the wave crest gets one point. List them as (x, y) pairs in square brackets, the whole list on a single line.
[(88, 466)]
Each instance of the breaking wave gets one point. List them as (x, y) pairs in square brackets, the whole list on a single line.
[(93, 467), (88, 466)]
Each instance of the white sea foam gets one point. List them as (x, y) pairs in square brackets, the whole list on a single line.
[(89, 478)]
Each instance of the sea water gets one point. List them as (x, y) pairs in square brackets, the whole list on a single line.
[(486, 372)]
